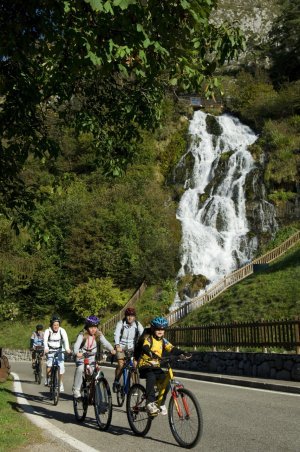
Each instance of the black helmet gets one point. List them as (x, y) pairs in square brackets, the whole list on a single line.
[(54, 318), (39, 327)]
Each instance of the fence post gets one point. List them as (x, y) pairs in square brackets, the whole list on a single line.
[(262, 336), (213, 339), (297, 335)]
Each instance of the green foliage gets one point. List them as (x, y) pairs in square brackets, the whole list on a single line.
[(284, 44), (251, 97), (101, 69), (156, 300), (95, 297), (281, 139)]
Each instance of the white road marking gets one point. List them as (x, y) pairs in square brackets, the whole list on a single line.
[(46, 425), (239, 387)]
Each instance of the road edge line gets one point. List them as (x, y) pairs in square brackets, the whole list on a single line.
[(43, 423)]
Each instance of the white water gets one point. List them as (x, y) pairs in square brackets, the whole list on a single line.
[(214, 239)]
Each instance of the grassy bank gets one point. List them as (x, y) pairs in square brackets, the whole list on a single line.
[(15, 429), (270, 294)]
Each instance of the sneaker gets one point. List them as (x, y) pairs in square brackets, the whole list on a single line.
[(115, 386), (61, 388), (46, 382), (163, 410), (152, 408), (76, 393)]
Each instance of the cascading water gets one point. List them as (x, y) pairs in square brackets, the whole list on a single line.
[(212, 208)]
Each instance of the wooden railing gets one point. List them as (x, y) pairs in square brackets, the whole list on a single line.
[(230, 279), (264, 334), (111, 323)]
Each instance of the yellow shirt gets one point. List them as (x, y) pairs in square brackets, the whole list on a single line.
[(157, 347)]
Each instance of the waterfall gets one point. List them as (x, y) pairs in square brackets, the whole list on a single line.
[(212, 208)]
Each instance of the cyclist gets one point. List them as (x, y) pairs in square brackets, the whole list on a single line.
[(126, 335), (56, 337), (36, 340), (89, 341), (153, 346)]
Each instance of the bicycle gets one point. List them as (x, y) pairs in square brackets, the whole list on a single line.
[(38, 370), (184, 412), (129, 374), (55, 378), (95, 391)]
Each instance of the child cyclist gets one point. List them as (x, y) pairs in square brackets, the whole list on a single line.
[(153, 346), (36, 342), (88, 341)]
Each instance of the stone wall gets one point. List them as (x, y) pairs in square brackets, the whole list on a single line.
[(261, 365), (17, 355)]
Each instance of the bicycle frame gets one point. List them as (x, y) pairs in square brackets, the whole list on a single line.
[(91, 378), (127, 370)]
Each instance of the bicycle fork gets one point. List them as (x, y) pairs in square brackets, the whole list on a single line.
[(175, 396)]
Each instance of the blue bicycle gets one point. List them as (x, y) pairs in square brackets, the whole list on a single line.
[(128, 378), (55, 378)]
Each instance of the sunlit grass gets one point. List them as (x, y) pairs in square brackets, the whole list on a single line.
[(15, 429), (271, 294)]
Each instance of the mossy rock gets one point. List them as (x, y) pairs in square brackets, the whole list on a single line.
[(212, 126), (189, 285), (184, 169), (225, 156)]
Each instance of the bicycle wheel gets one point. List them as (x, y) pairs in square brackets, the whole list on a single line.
[(55, 385), (36, 371), (103, 403), (81, 404), (138, 418), (121, 391), (39, 372), (185, 418)]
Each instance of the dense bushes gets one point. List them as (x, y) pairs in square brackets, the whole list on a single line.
[(94, 231)]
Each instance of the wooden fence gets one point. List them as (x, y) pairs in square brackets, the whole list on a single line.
[(277, 333), (111, 323), (230, 280)]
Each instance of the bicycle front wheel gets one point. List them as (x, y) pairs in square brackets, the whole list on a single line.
[(39, 373), (81, 404), (185, 418), (103, 404), (138, 418), (121, 391), (55, 385)]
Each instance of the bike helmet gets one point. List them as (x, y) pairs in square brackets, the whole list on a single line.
[(55, 318), (159, 323), (91, 320), (130, 311), (39, 327)]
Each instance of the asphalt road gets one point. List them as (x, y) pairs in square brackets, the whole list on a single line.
[(235, 418)]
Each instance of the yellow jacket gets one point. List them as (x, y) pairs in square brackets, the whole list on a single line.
[(156, 346)]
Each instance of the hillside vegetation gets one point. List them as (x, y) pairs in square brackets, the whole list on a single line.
[(94, 234), (270, 294)]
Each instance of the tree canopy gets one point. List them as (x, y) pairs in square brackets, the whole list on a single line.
[(101, 66), (284, 45)]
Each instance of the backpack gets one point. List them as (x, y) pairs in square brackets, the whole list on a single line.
[(138, 349)]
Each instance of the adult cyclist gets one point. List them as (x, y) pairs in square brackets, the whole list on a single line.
[(88, 341), (55, 339), (126, 335)]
